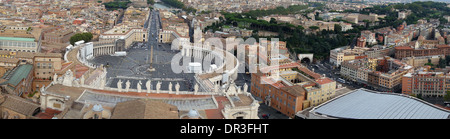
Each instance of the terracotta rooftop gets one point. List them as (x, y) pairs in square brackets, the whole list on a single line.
[(144, 109), (324, 81), (19, 105), (217, 113), (48, 114), (295, 90)]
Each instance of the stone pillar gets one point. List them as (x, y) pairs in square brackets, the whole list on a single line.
[(43, 100)]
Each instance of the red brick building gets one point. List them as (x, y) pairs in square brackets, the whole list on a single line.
[(425, 83), (407, 51), (361, 42), (286, 99)]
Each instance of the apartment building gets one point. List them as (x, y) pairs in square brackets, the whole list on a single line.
[(173, 28), (58, 36), (382, 73), (422, 60), (341, 54), (46, 64), (426, 83), (291, 88), (123, 32)]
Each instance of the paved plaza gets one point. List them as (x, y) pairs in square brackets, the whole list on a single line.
[(134, 65)]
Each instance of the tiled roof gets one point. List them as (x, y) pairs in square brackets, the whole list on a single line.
[(20, 105), (48, 114), (324, 80), (295, 90), (144, 109)]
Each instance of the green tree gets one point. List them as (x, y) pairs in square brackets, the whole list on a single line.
[(314, 27), (117, 4), (273, 21), (337, 28), (419, 96), (151, 2), (447, 96), (87, 37), (442, 63)]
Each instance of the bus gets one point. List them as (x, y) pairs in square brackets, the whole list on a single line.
[(341, 80)]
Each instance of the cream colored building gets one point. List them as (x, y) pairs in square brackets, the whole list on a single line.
[(421, 61), (46, 65), (362, 75), (349, 70), (323, 92), (341, 54), (130, 35)]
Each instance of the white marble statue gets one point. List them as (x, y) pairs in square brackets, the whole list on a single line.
[(119, 85), (68, 78), (55, 78), (177, 88), (170, 87), (245, 87), (139, 88), (158, 86), (196, 88), (148, 85), (238, 90), (42, 88), (127, 86)]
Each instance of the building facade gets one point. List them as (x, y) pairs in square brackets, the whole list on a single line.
[(19, 44), (417, 50), (425, 83), (46, 65), (291, 88), (381, 73)]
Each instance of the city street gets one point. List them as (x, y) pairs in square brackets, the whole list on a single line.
[(324, 67), (153, 30)]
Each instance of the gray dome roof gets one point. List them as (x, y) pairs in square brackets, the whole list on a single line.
[(97, 108), (193, 113)]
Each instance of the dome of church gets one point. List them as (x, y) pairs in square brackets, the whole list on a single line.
[(193, 113), (97, 108)]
